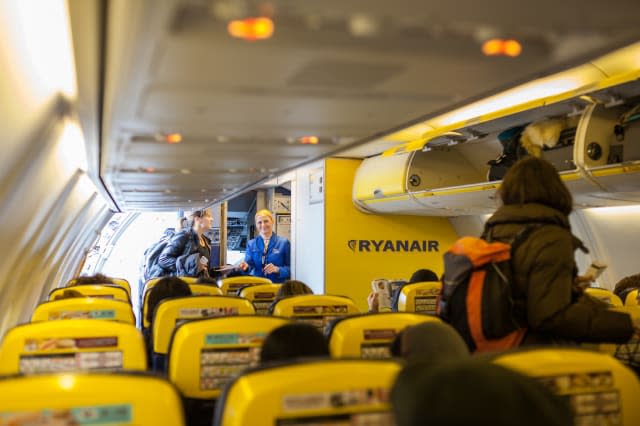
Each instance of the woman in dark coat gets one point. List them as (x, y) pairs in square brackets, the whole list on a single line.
[(552, 306), (189, 250)]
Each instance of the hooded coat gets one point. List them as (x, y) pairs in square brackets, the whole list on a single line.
[(544, 270)]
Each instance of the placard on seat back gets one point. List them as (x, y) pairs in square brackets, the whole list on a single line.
[(261, 295), (605, 295), (107, 291), (204, 355), (96, 399), (230, 286), (341, 392), (420, 297), (315, 309), (81, 344), (370, 335), (84, 308), (600, 389)]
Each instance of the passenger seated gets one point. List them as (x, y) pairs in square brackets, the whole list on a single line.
[(93, 279), (626, 286), (432, 342), (290, 288), (68, 294), (419, 276), (294, 341), (473, 392), (207, 281), (166, 288), (544, 281)]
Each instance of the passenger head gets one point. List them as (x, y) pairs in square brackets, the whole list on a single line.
[(473, 392), (166, 288), (534, 180), (207, 280), (264, 223), (294, 341), (201, 221), (69, 294), (292, 288), (91, 279), (627, 284), (423, 275), (434, 342)]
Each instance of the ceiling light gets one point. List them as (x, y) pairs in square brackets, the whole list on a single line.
[(149, 169), (185, 171), (501, 47), (251, 29), (206, 200), (309, 140), (222, 139), (203, 190), (172, 138)]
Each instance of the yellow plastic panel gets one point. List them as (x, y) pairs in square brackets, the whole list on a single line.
[(315, 309), (84, 308), (72, 345), (420, 297), (107, 291), (311, 393), (205, 290), (369, 336), (171, 313), (204, 355), (601, 389), (95, 399), (381, 177), (230, 286), (605, 295), (261, 296), (148, 286), (631, 299)]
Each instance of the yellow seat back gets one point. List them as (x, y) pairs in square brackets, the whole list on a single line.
[(107, 291), (172, 312), (600, 389), (605, 295), (341, 392), (145, 295), (261, 295), (230, 286), (72, 345), (370, 336), (631, 299), (205, 355), (84, 308), (420, 297), (205, 290), (120, 282), (97, 399), (315, 309)]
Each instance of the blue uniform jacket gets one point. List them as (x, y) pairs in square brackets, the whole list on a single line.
[(278, 253)]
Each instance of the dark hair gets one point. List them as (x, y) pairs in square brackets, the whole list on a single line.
[(473, 392), (207, 280), (167, 287), (627, 284), (69, 294), (292, 288), (534, 180), (91, 279), (423, 275), (396, 345), (293, 341)]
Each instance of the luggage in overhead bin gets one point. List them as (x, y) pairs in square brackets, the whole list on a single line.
[(512, 151), (625, 146)]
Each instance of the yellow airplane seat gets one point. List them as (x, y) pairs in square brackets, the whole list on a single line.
[(106, 291), (600, 389), (205, 290), (315, 392), (631, 299), (204, 355), (173, 312), (120, 282), (89, 398), (230, 286), (315, 309), (261, 295), (84, 308), (605, 295), (82, 344), (421, 297), (369, 336), (145, 295)]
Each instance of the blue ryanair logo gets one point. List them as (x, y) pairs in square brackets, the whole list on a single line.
[(393, 246)]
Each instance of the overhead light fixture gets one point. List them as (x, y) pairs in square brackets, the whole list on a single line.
[(502, 47), (251, 29), (309, 140), (173, 138)]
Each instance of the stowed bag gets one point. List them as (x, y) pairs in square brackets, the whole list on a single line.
[(477, 296)]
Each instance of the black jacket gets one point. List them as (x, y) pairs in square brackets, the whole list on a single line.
[(544, 270), (180, 256)]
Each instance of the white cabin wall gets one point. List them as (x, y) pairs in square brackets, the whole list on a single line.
[(308, 236), (49, 208)]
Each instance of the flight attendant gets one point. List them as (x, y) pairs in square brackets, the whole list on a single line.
[(267, 255)]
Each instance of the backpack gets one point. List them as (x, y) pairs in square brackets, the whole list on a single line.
[(152, 254), (477, 295)]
